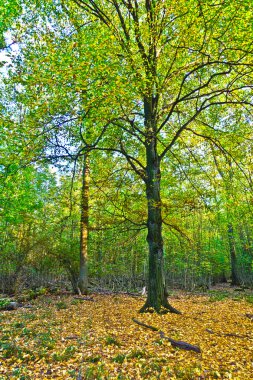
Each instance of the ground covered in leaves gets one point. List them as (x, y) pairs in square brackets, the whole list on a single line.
[(62, 337)]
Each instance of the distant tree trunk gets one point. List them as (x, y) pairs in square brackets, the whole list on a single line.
[(228, 182), (73, 276), (233, 259), (246, 249), (156, 292), (83, 273), (100, 255)]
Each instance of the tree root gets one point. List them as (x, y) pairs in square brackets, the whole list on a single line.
[(172, 309), (175, 343), (166, 308)]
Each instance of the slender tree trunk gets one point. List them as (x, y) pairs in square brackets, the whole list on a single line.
[(234, 269), (83, 273), (228, 181), (246, 250), (156, 292), (100, 254)]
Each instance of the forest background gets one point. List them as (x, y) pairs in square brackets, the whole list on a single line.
[(77, 80)]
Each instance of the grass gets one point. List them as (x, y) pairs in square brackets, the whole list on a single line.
[(215, 296)]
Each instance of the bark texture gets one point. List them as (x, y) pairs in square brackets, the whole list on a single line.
[(84, 228), (156, 292), (234, 267)]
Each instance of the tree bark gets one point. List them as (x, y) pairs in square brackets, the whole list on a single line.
[(84, 228), (228, 182), (246, 249), (156, 289), (233, 259)]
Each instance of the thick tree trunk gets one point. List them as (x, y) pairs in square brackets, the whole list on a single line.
[(156, 292), (83, 273), (234, 266)]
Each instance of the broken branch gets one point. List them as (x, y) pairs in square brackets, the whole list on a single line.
[(144, 325), (174, 343)]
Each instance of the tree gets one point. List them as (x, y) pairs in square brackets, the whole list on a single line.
[(60, 112), (24, 193), (182, 58), (84, 227)]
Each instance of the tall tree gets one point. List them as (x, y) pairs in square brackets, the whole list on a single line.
[(84, 226), (57, 117), (179, 59)]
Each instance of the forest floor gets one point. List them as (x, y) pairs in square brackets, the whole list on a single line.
[(63, 337)]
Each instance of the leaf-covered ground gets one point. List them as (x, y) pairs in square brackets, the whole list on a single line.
[(66, 338)]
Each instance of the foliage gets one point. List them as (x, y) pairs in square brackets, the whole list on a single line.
[(69, 83), (9, 10)]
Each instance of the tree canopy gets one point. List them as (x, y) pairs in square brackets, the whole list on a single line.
[(158, 95)]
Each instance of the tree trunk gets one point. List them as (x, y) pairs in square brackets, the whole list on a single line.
[(234, 269), (246, 250), (156, 292), (83, 273), (73, 278)]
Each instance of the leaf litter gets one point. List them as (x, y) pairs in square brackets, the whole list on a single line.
[(99, 340)]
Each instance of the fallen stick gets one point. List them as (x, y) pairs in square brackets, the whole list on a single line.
[(144, 325), (84, 298), (73, 337), (237, 336), (229, 334), (174, 343), (180, 344)]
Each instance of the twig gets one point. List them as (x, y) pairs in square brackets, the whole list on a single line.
[(174, 343), (84, 298), (144, 325), (229, 334)]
